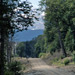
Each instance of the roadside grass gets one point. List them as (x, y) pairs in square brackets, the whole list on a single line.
[(62, 62), (72, 63), (58, 60), (57, 63)]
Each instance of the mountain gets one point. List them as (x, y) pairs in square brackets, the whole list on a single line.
[(27, 35)]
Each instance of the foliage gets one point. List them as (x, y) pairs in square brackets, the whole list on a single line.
[(20, 49), (39, 46), (42, 55), (15, 67), (66, 61), (9, 73), (59, 24), (69, 41), (73, 56), (15, 16), (25, 49), (31, 48), (59, 30), (18, 16)]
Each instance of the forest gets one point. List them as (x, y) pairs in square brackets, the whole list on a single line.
[(59, 32)]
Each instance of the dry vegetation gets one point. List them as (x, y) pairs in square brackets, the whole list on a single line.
[(24, 63), (58, 61)]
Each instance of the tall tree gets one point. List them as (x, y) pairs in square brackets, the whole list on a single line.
[(59, 16), (14, 16)]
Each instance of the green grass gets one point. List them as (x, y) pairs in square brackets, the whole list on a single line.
[(72, 63), (57, 62)]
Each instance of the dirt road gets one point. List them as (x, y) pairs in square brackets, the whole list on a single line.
[(39, 67)]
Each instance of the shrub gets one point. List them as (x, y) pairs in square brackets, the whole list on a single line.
[(41, 55), (62, 57), (55, 59), (9, 73), (66, 61), (15, 67), (73, 56)]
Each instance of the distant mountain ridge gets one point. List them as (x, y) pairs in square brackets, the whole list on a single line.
[(27, 35)]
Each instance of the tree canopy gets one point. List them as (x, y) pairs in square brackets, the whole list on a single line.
[(59, 23), (14, 16)]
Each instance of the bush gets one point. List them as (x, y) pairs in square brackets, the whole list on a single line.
[(73, 56), (55, 59), (41, 55), (9, 73), (66, 61), (62, 57), (15, 67)]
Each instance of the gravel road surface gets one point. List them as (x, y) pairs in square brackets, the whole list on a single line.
[(39, 67)]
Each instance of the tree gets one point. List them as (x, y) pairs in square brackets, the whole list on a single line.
[(39, 45), (21, 49), (14, 16), (59, 16), (69, 41)]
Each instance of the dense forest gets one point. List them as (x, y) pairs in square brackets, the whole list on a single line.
[(59, 33)]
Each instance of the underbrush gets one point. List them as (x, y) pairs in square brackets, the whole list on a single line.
[(9, 73), (62, 62), (42, 55), (17, 66), (57, 59), (66, 61), (14, 68), (23, 61)]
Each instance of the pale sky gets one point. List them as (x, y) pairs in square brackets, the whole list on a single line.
[(34, 2), (38, 24)]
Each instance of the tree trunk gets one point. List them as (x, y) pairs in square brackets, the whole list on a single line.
[(61, 43), (8, 53), (2, 42), (2, 53)]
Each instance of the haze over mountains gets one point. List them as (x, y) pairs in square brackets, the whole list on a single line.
[(27, 35)]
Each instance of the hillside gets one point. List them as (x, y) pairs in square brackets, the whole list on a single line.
[(27, 35)]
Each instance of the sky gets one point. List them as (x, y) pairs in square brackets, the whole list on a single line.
[(35, 30), (38, 24), (35, 3)]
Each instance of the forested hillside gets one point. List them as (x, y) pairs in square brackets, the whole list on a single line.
[(31, 48), (27, 35)]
